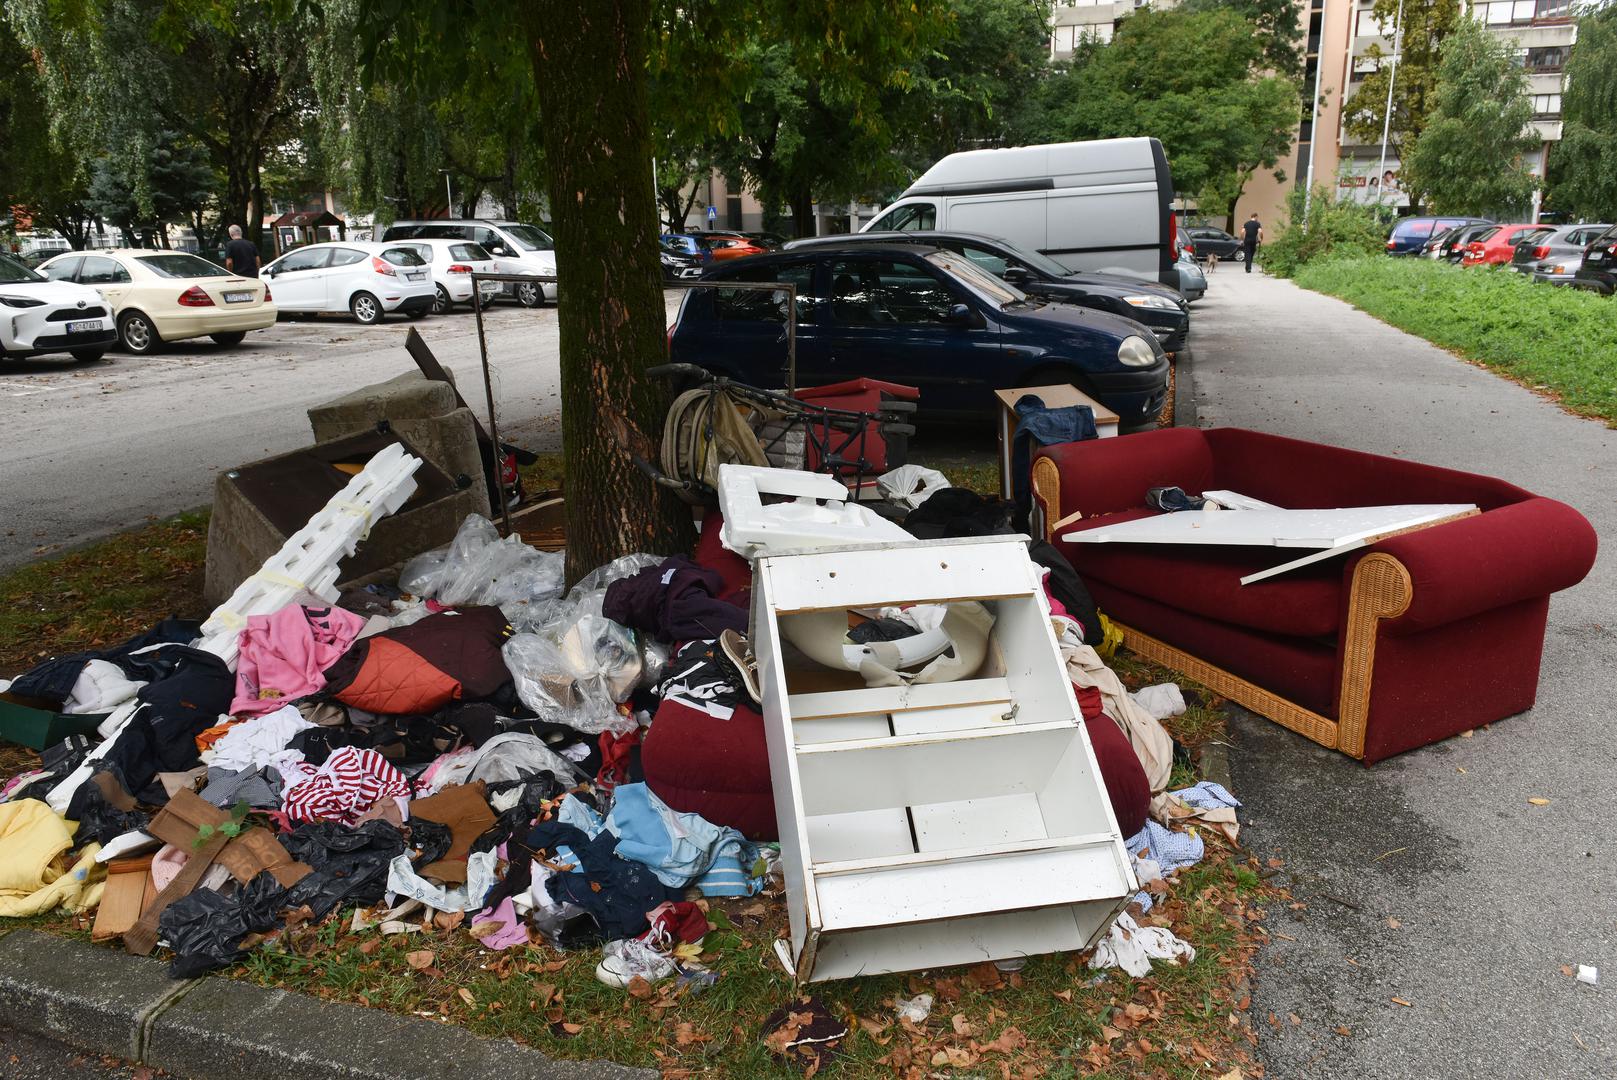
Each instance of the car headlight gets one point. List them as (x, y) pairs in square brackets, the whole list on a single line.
[(21, 301), (1152, 300), (1136, 352)]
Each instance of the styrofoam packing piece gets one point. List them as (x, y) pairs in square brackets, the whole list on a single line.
[(819, 515), (307, 562)]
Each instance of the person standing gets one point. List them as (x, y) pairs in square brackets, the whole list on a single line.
[(1251, 238), (241, 256)]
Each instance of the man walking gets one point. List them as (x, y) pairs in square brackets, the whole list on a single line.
[(1253, 236), (241, 256)]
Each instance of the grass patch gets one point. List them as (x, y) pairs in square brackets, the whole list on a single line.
[(1054, 1018), (103, 594), (1554, 340)]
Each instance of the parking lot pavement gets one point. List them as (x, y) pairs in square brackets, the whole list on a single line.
[(1440, 905), (90, 449)]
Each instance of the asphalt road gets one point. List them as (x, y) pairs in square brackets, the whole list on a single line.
[(28, 1057), (1429, 877)]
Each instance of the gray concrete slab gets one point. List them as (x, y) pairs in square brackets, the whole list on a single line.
[(226, 1030), (1429, 877), (92, 998)]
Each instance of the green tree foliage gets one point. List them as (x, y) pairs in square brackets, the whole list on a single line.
[(230, 77), (1425, 25), (1469, 160), (1278, 28), (1193, 79), (37, 174), (1584, 162), (1329, 227), (181, 186)]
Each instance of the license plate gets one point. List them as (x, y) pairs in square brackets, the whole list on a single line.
[(83, 327), (238, 297)]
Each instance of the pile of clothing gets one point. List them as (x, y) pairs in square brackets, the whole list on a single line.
[(573, 767)]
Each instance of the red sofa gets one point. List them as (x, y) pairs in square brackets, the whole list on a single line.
[(1402, 643)]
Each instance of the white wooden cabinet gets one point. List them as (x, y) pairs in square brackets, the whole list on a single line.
[(935, 824)]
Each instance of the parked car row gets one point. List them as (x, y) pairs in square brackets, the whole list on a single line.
[(1581, 256)]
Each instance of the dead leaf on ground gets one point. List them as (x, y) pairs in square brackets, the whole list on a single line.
[(421, 959)]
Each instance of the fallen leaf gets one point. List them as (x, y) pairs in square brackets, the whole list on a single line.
[(1405, 1004), (1536, 801), (1343, 1031), (421, 959), (1394, 923)]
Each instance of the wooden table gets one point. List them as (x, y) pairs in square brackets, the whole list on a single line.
[(1054, 397)]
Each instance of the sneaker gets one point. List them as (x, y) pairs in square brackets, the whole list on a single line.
[(624, 960), (739, 652)]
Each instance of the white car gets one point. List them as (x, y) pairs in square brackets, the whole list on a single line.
[(162, 296), (517, 248), (452, 263), (366, 280), (38, 315)]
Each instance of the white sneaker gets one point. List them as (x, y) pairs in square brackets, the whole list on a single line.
[(626, 958)]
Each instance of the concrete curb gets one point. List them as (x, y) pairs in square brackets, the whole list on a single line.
[(107, 1002)]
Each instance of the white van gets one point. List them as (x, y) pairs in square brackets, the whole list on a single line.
[(517, 248), (1101, 205)]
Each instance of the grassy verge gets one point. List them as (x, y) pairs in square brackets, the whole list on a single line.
[(1554, 340)]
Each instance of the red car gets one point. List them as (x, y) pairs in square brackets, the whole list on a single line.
[(1496, 246), (730, 246)]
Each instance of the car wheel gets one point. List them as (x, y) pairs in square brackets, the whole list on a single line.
[(365, 308), (137, 334), (230, 340), (88, 356), (530, 294), (441, 304)]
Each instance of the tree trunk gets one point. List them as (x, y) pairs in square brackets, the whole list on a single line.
[(589, 63), (803, 213)]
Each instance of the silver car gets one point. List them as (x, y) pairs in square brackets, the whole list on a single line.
[(1556, 257)]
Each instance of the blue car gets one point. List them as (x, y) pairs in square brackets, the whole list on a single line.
[(919, 315)]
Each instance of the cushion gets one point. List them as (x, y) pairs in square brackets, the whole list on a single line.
[(1127, 786), (420, 668), (1207, 580), (699, 764)]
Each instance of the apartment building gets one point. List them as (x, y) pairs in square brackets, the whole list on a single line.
[(1339, 34)]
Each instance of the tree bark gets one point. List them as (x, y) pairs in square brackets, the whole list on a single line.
[(589, 64)]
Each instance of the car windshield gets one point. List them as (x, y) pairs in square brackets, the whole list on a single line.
[(403, 256), (181, 266), (984, 283), (13, 272), (529, 238)]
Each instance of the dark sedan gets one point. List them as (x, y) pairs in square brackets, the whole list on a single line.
[(1599, 270), (1160, 309), (919, 315)]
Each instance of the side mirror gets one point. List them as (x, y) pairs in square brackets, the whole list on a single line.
[(1017, 275)]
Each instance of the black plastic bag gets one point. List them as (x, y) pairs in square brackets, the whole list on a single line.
[(350, 865), (205, 928)]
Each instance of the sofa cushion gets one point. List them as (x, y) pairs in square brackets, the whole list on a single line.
[(1207, 580)]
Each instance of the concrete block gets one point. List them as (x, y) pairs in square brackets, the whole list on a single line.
[(225, 1030), (93, 998)]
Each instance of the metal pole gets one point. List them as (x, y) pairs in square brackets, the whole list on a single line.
[(1386, 120), (493, 422), (1313, 128)]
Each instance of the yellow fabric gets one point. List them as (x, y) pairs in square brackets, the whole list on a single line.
[(34, 875)]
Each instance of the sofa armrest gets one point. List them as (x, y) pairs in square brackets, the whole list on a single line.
[(1503, 556), (1102, 476)]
